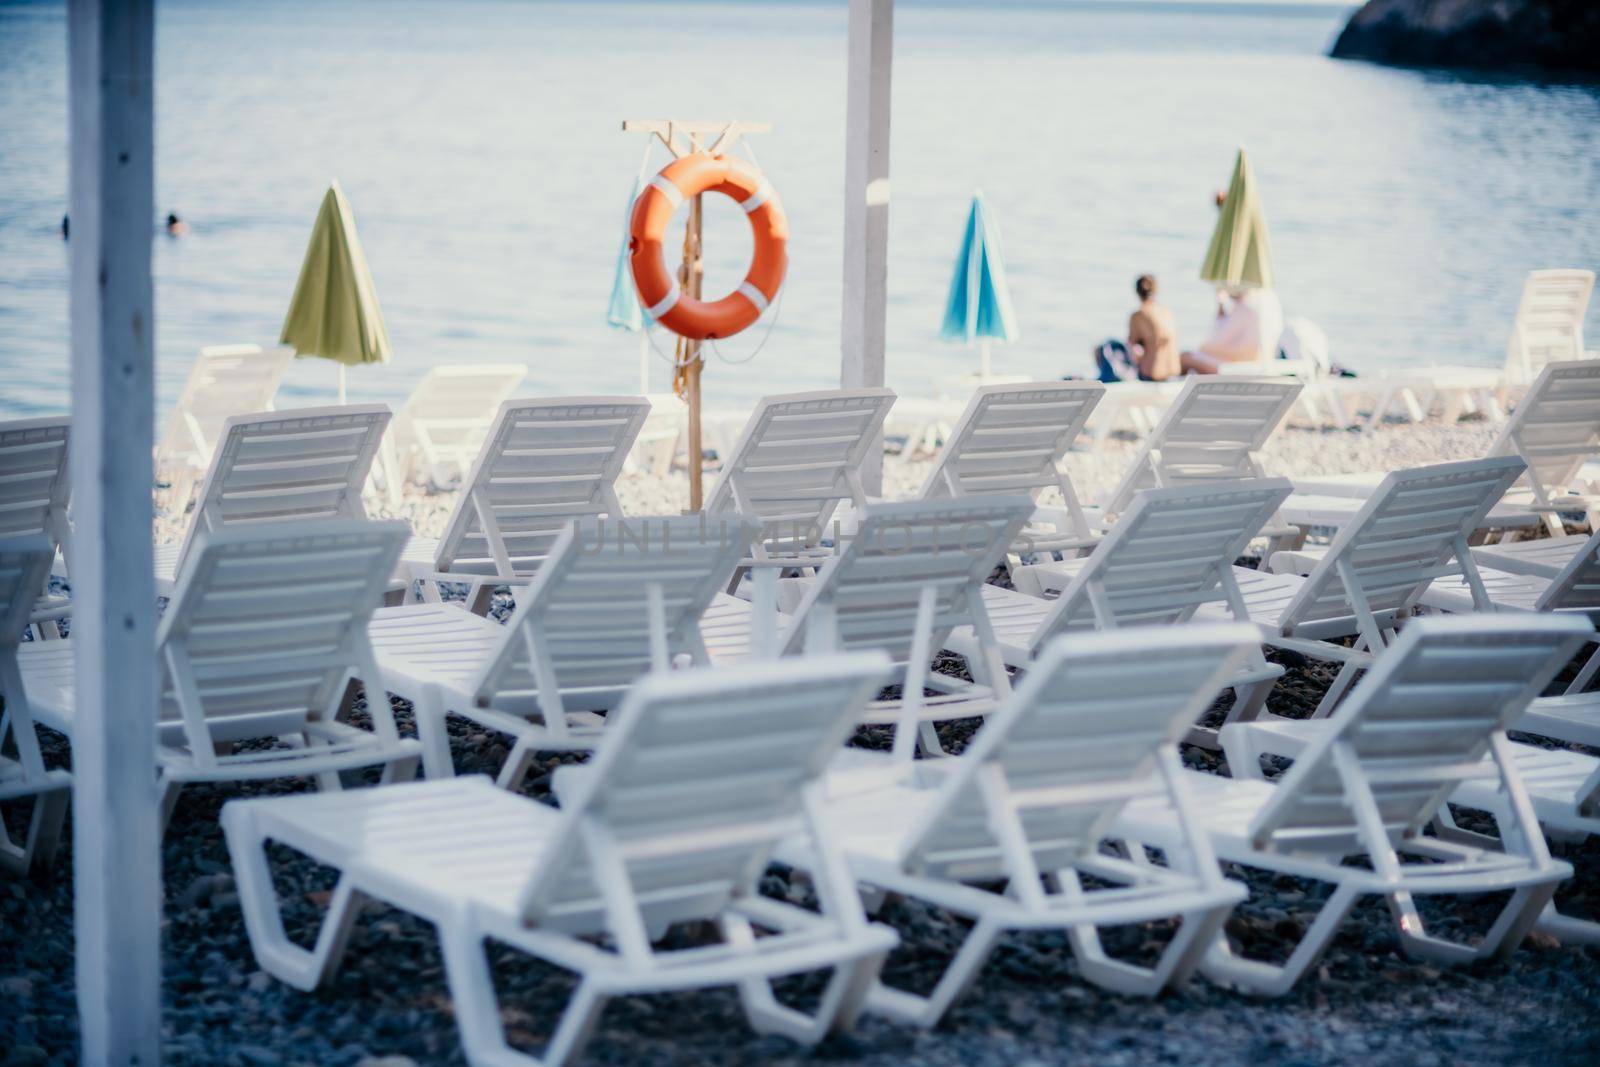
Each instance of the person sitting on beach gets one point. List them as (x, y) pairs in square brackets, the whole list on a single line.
[(1247, 329), (1152, 334), (176, 227)]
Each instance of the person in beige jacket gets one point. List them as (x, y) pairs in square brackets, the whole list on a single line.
[(1152, 334)]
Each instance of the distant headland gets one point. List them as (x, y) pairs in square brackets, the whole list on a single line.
[(1551, 36)]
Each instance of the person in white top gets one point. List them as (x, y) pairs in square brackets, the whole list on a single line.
[(1247, 329)]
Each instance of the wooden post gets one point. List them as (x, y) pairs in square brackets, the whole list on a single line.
[(116, 835), (866, 208)]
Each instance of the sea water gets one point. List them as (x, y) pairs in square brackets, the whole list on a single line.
[(479, 144)]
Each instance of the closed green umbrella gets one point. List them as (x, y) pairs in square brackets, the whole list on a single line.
[(334, 313), (1240, 252)]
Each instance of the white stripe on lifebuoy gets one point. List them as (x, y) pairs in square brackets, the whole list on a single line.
[(667, 302), (754, 295), (762, 194), (673, 194)]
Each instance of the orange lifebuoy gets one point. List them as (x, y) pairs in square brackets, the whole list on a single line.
[(658, 287)]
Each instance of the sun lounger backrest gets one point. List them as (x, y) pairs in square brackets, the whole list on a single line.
[(225, 380), (588, 610), (1010, 438), (1577, 587), (1549, 323), (24, 565), (798, 457), (699, 779), (1416, 725), (310, 463), (1074, 742), (543, 463), (1168, 554), (267, 622), (1556, 427), (1210, 433), (34, 480), (449, 411), (868, 595), (1401, 538)]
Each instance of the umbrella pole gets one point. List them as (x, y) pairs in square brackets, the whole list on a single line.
[(341, 385), (644, 360), (984, 363)]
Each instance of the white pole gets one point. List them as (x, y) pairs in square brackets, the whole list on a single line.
[(985, 364), (116, 836), (866, 207), (341, 385), (644, 360)]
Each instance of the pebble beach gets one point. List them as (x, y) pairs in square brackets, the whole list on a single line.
[(389, 1005)]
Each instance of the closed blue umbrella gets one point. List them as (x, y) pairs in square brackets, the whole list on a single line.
[(979, 308), (625, 312)]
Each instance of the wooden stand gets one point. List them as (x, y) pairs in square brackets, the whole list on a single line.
[(683, 138)]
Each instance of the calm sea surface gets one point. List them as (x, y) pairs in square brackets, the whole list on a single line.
[(479, 144)]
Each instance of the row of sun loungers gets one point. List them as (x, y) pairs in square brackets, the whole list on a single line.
[(717, 664)]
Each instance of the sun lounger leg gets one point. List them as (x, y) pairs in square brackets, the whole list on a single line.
[(429, 711), (1513, 923), (842, 1000), (957, 979), (1568, 929), (263, 918), (1177, 961), (1223, 966), (483, 1037), (38, 850)]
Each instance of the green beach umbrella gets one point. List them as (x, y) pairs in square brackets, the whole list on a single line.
[(334, 313), (1240, 252)]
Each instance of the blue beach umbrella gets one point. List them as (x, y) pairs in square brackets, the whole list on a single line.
[(979, 308), (625, 312)]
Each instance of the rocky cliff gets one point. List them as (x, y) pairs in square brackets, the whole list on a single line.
[(1548, 35)]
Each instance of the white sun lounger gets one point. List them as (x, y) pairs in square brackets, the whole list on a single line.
[(225, 380), (911, 573), (1010, 439), (674, 821), (444, 422), (24, 565), (613, 600), (264, 635), (1213, 432), (1410, 532), (1555, 429), (1548, 328), (1027, 806), (35, 487), (543, 463), (1375, 777), (800, 457), (1170, 555), (291, 466)]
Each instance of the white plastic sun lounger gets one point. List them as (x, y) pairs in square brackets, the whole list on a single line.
[(1170, 555), (292, 466), (543, 464), (444, 422), (1027, 806), (613, 600), (674, 821), (1555, 429), (1010, 439), (1548, 329), (264, 635), (1370, 579), (800, 457), (1213, 432), (225, 380), (35, 487), (24, 565), (1418, 726), (911, 573)]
